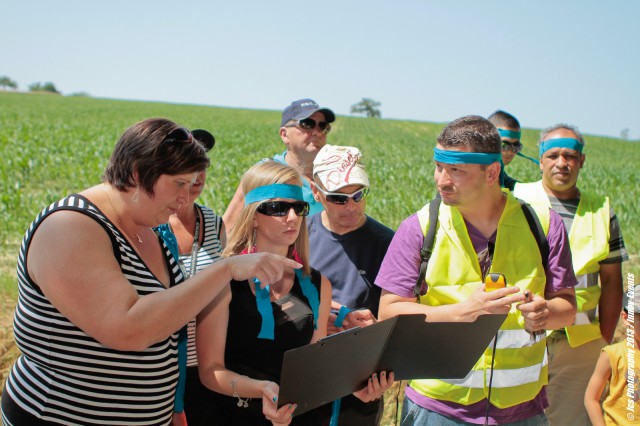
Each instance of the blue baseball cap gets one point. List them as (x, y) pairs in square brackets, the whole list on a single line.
[(304, 108)]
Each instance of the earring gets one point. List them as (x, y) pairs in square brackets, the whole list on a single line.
[(136, 195)]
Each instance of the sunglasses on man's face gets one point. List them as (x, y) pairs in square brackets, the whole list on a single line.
[(310, 124), (340, 198), (514, 147), (181, 134), (282, 208)]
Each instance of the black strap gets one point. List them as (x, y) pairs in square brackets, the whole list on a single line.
[(427, 244), (537, 231)]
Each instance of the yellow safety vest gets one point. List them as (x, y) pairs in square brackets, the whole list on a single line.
[(520, 365), (589, 242)]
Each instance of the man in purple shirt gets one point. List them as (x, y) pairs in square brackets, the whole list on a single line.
[(476, 214)]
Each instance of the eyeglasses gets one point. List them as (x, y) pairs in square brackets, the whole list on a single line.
[(310, 124), (181, 134), (340, 198), (282, 208), (514, 147)]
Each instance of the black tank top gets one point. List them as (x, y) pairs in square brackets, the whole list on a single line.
[(258, 358)]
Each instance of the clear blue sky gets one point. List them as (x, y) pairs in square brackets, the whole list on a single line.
[(574, 61)]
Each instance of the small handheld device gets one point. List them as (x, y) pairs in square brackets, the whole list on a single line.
[(494, 281)]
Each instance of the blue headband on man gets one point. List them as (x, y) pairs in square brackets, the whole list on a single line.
[(462, 157), (276, 190), (512, 134), (569, 143)]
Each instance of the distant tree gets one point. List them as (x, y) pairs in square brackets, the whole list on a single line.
[(624, 134), (7, 83), (366, 106), (46, 87)]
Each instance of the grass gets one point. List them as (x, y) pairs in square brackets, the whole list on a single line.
[(53, 145)]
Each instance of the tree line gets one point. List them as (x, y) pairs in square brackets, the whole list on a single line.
[(8, 83)]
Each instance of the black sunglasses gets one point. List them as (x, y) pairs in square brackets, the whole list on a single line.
[(515, 147), (282, 208), (181, 134), (340, 198), (310, 124)]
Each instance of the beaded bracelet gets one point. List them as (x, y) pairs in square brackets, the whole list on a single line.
[(244, 403)]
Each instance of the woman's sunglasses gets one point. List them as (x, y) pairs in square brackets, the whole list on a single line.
[(514, 147), (282, 208), (340, 198), (181, 134), (310, 124)]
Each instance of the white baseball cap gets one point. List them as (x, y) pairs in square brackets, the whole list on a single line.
[(339, 166)]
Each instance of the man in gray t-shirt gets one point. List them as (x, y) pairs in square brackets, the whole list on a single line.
[(598, 251)]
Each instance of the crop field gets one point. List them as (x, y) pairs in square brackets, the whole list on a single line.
[(53, 145)]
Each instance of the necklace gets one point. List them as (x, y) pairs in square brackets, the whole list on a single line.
[(194, 249), (142, 228)]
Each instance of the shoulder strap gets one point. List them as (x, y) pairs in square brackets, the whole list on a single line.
[(537, 231), (427, 244)]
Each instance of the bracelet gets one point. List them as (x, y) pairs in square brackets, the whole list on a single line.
[(244, 403)]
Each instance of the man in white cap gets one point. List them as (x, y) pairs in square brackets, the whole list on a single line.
[(347, 247), (304, 128)]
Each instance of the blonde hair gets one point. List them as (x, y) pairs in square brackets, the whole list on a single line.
[(242, 235)]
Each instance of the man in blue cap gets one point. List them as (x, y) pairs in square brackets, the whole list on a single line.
[(303, 129), (598, 250)]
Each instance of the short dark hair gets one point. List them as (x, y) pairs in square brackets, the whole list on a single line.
[(144, 150), (473, 131), (503, 119)]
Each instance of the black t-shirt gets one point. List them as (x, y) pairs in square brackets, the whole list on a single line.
[(350, 261)]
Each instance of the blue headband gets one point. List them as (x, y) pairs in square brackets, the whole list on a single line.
[(276, 190), (460, 157), (569, 143), (509, 133)]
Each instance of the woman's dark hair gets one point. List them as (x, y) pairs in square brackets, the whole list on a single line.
[(145, 150)]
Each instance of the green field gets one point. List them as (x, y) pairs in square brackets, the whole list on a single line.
[(54, 145)]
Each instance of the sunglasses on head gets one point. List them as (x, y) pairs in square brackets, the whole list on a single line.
[(282, 208), (514, 147), (181, 134), (310, 124), (340, 198)]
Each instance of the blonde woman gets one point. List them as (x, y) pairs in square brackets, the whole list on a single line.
[(240, 346)]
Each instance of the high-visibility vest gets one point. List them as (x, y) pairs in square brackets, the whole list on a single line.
[(453, 273), (589, 241)]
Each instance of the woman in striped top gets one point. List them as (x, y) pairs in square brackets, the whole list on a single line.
[(200, 238), (99, 306)]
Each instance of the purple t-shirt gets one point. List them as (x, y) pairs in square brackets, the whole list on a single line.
[(399, 273)]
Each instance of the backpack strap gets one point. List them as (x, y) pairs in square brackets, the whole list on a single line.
[(427, 244), (537, 231)]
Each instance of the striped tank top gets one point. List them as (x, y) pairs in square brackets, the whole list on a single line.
[(210, 252), (64, 375)]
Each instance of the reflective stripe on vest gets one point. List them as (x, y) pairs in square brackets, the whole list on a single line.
[(520, 366), (589, 242)]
